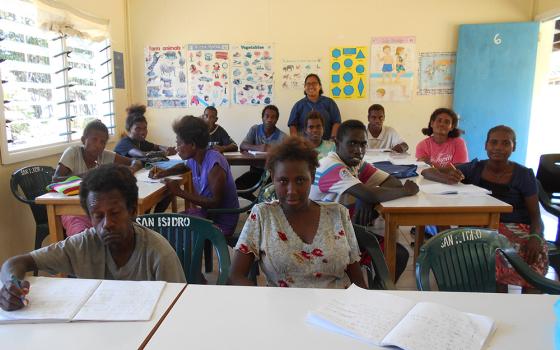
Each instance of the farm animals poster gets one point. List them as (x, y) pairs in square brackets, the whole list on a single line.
[(166, 83), (252, 74), (208, 74), (295, 71)]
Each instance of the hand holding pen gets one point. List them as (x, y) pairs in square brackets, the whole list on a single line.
[(12, 294), (453, 174), (156, 173)]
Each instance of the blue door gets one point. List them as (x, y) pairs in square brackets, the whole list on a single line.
[(494, 82)]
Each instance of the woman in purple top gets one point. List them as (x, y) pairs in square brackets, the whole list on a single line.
[(211, 174)]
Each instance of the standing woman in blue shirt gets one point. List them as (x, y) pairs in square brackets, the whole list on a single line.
[(314, 100)]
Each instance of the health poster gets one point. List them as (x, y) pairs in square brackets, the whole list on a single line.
[(208, 74), (252, 74), (436, 73), (166, 81), (349, 72), (392, 68), (295, 71)]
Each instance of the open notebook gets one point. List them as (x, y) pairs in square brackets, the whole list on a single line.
[(386, 320), (72, 299)]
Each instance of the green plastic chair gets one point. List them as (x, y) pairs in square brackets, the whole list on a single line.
[(27, 184), (187, 235), (376, 270), (464, 260)]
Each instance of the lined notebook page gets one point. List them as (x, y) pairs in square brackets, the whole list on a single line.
[(122, 301), (362, 314), (52, 300), (455, 329)]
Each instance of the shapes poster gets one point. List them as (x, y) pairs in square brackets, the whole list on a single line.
[(166, 82), (252, 74), (392, 68), (349, 72), (436, 72), (208, 74), (295, 71)]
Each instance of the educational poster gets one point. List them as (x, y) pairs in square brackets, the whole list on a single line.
[(252, 74), (295, 71), (393, 61), (208, 74), (349, 72), (166, 82), (436, 72)]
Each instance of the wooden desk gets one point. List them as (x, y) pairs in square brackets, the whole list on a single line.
[(89, 335), (428, 209), (149, 194), (245, 158), (228, 317)]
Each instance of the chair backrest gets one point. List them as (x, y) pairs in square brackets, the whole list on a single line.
[(548, 173), (29, 183), (187, 235), (461, 259), (377, 271)]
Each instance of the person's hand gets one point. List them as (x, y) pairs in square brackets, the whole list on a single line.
[(364, 213), (452, 175), (425, 160), (170, 151), (135, 166), (157, 173), (399, 148), (532, 249), (174, 186), (12, 297), (410, 188)]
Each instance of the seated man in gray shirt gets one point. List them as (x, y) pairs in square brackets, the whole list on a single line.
[(115, 248)]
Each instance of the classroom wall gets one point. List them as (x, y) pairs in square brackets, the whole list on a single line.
[(306, 30), (545, 9), (17, 227)]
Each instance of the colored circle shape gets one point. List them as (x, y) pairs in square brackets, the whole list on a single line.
[(348, 90), (348, 63), (336, 53), (336, 66), (347, 77), (360, 68)]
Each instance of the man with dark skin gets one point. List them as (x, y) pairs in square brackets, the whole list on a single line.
[(344, 177), (383, 136), (114, 248)]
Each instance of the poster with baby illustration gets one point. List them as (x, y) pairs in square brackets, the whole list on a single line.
[(166, 84), (393, 67), (252, 74), (208, 74), (294, 72)]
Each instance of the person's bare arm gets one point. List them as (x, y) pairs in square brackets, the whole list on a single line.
[(401, 147), (382, 194), (355, 274), (447, 175), (11, 295), (232, 147), (334, 130), (61, 173), (240, 267), (136, 153), (533, 247), (133, 164), (293, 130), (158, 173), (216, 181), (250, 147)]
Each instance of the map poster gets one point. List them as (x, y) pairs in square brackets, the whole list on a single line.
[(436, 72)]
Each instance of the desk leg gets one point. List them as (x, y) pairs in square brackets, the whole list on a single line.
[(390, 243), (494, 221), (418, 241), (174, 204), (56, 232)]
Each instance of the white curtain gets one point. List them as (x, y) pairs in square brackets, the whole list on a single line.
[(58, 17)]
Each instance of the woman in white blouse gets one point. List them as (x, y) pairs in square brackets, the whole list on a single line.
[(296, 241)]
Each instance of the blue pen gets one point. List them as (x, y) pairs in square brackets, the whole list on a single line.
[(17, 282)]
